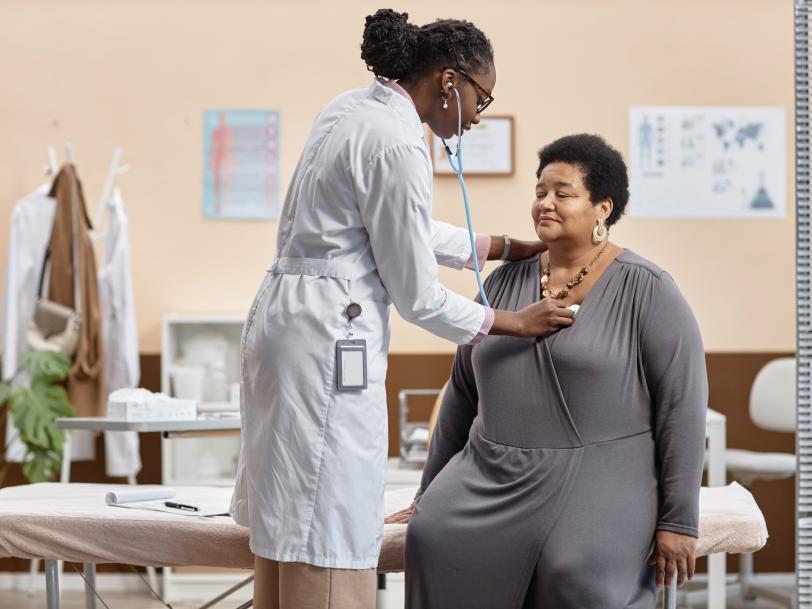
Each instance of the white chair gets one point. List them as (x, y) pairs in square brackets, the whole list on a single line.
[(772, 407)]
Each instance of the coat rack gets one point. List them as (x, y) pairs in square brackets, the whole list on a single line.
[(114, 170)]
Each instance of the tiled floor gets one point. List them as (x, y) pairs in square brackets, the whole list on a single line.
[(123, 600), (75, 599)]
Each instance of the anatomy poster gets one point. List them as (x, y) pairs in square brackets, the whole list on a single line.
[(241, 164), (707, 162)]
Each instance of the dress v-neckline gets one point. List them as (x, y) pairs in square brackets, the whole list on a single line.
[(607, 273)]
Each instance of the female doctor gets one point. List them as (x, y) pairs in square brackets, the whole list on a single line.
[(356, 235)]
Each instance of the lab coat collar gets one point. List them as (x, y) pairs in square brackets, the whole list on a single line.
[(401, 103), (395, 86)]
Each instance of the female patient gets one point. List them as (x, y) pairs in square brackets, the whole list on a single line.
[(564, 471)]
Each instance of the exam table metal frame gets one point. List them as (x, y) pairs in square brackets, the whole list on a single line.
[(53, 596)]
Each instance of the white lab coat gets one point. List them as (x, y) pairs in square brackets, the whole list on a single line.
[(356, 227), (119, 334), (31, 222)]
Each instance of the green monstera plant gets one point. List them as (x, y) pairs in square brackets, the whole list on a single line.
[(34, 409)]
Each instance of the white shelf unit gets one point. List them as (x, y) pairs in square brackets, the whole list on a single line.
[(205, 459), (209, 460)]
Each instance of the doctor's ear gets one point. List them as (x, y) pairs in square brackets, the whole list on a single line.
[(447, 78)]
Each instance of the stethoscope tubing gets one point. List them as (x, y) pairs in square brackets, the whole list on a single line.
[(457, 168)]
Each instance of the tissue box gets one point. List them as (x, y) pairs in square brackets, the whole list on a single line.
[(142, 405)]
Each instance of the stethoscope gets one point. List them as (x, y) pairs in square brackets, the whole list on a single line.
[(457, 168)]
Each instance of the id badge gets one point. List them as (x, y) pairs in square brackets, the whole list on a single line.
[(351, 364)]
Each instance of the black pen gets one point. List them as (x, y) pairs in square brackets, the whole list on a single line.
[(181, 506)]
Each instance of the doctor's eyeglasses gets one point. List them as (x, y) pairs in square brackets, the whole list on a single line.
[(483, 96)]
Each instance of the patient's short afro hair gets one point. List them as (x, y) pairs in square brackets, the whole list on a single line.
[(605, 174)]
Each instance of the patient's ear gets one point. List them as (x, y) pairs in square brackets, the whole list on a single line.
[(606, 206)]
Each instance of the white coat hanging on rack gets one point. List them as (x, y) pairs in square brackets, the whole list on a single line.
[(115, 170)]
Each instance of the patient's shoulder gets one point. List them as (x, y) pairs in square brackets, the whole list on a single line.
[(510, 270), (636, 261), (652, 284), (506, 281)]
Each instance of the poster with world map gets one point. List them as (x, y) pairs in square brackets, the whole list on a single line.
[(707, 162)]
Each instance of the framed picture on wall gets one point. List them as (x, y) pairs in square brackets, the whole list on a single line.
[(487, 149)]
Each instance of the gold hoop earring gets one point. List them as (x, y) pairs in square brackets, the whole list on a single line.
[(600, 232)]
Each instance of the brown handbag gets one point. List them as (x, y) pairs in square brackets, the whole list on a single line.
[(54, 326)]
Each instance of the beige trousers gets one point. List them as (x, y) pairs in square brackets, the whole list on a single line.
[(295, 585)]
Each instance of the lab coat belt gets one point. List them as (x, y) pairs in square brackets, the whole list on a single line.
[(323, 267)]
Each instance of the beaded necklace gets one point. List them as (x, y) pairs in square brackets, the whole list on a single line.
[(578, 278)]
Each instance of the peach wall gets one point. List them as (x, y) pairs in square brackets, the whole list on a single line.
[(140, 74)]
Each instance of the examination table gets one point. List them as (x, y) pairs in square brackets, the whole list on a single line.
[(71, 522)]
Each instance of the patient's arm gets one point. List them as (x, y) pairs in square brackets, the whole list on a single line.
[(457, 413), (674, 363)]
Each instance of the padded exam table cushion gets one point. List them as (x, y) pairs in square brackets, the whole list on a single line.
[(72, 522)]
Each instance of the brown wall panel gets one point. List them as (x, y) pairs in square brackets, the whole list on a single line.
[(730, 377)]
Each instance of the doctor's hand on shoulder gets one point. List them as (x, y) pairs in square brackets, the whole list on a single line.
[(517, 250)]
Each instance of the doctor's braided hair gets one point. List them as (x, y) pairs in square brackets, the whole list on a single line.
[(396, 49)]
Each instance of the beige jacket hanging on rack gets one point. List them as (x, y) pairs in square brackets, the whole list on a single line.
[(86, 377)]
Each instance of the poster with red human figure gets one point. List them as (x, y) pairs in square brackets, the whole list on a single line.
[(241, 164)]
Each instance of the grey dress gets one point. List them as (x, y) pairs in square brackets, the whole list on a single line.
[(556, 459)]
